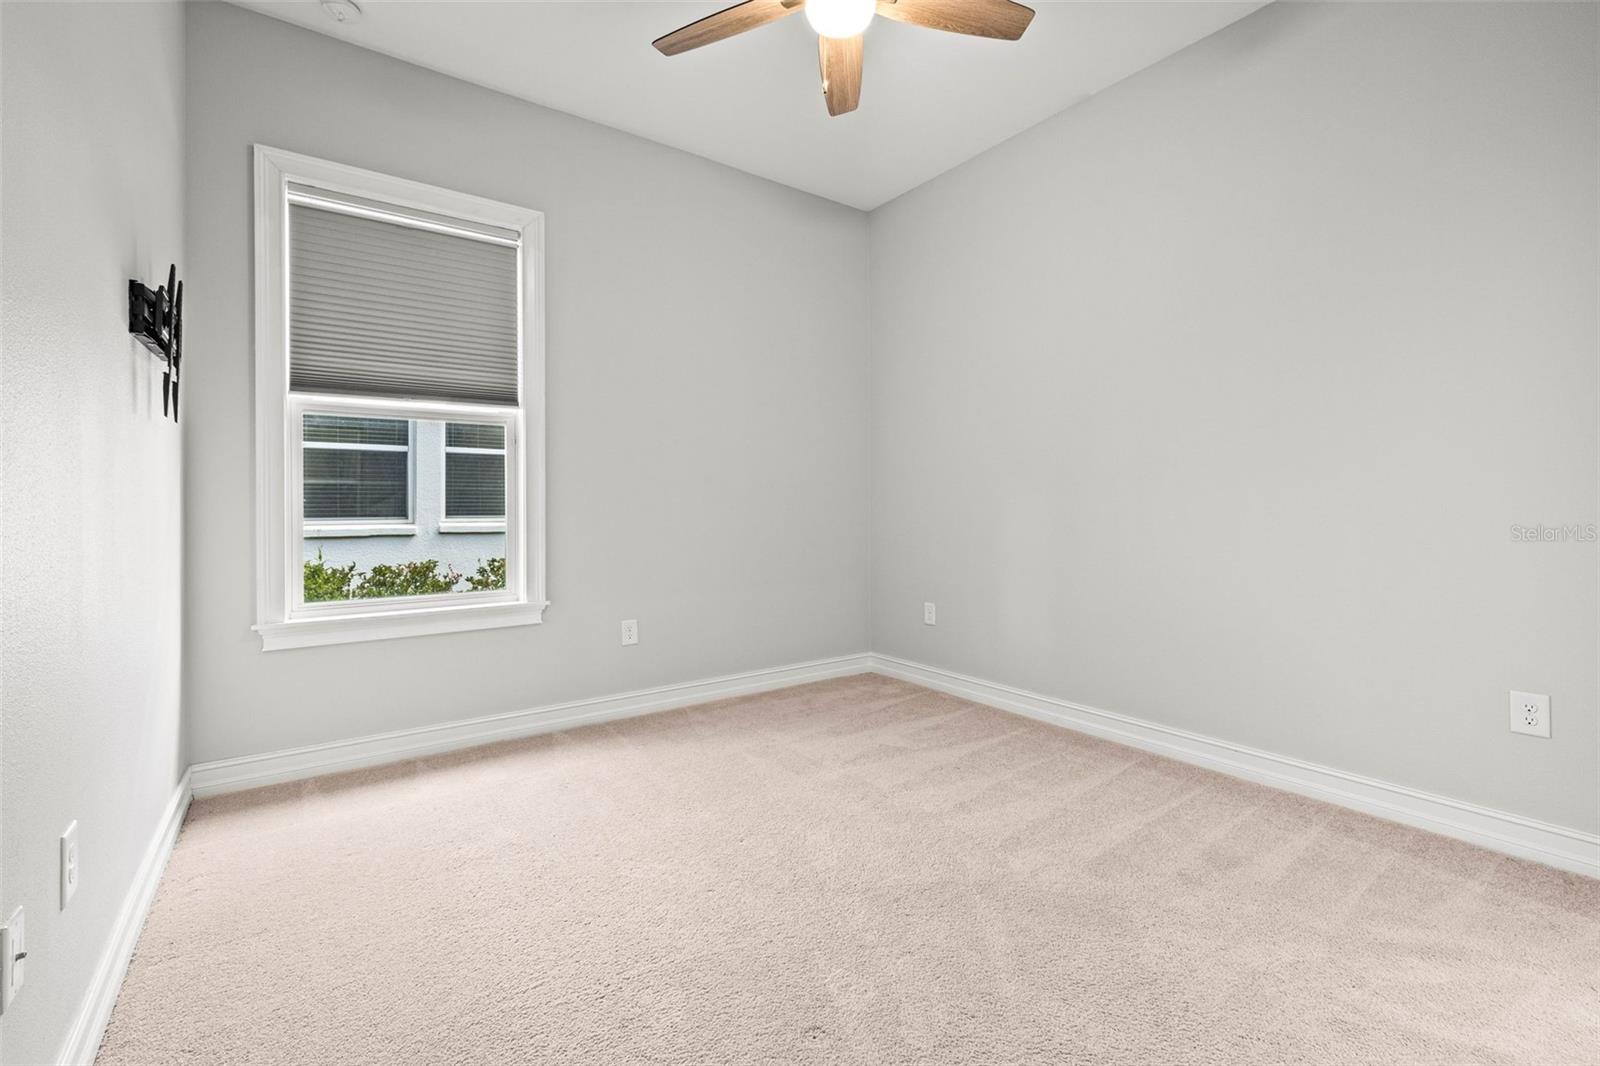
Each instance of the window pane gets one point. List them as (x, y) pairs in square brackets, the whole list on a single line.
[(394, 545), (338, 429), (475, 485), (356, 483), (474, 435)]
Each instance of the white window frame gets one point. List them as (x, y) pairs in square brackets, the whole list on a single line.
[(283, 621), (335, 528), (464, 523)]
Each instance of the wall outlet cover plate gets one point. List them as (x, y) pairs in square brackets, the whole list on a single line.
[(1530, 714)]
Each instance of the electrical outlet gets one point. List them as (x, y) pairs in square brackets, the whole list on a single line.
[(13, 949), (1530, 714), (630, 632), (929, 618), (69, 864)]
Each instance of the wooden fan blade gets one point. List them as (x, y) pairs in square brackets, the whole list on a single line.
[(1000, 19), (841, 72), (724, 24)]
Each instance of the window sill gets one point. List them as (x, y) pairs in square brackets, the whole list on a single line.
[(330, 532), (391, 625), (472, 525)]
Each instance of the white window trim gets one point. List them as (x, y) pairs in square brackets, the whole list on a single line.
[(340, 530), (472, 525), (281, 620)]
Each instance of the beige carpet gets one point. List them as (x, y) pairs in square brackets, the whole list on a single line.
[(856, 871)]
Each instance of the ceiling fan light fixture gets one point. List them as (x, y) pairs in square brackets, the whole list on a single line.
[(840, 19), (840, 26), (342, 10)]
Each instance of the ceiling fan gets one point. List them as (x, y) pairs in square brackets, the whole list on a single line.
[(839, 25)]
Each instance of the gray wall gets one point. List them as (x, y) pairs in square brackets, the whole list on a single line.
[(1214, 400), (90, 527), (707, 425)]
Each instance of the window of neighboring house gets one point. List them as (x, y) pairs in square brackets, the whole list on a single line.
[(357, 476), (399, 373), (474, 478)]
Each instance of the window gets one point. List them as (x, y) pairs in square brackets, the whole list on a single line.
[(474, 478), (357, 476), (399, 407)]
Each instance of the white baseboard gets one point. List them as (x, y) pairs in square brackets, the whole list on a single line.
[(89, 1024), (253, 771), (1511, 834), (1566, 849)]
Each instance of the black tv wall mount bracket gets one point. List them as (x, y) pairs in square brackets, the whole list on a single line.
[(155, 317)]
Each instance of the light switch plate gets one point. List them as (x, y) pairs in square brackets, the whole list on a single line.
[(13, 949), (69, 864)]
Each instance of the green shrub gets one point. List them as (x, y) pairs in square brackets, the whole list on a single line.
[(421, 578), (324, 582), (490, 575)]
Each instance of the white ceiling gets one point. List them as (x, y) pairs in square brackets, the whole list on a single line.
[(929, 100)]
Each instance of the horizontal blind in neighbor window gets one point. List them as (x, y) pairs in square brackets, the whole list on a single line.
[(343, 429), (355, 484), (474, 485), (384, 309)]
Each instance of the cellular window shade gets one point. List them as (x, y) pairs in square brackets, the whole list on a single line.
[(379, 308)]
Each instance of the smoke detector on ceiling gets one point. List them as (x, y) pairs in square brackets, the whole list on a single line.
[(342, 10)]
